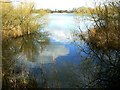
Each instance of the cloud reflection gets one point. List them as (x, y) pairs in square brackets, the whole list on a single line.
[(48, 55)]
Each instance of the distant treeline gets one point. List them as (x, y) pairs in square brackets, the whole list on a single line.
[(61, 11), (53, 11), (80, 10), (97, 10)]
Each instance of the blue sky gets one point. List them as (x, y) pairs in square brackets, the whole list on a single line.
[(62, 4)]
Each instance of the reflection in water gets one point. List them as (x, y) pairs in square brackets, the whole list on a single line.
[(36, 61), (24, 48), (48, 55), (27, 45), (61, 27), (31, 60), (23, 58), (51, 52)]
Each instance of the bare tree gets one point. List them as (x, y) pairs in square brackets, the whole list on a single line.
[(103, 47)]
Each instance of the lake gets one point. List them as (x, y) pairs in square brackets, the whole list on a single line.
[(48, 61)]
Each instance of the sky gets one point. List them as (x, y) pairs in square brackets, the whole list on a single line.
[(62, 4)]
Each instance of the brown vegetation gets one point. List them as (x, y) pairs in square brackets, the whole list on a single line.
[(20, 20), (106, 33)]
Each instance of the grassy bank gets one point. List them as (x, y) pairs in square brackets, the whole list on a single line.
[(19, 20)]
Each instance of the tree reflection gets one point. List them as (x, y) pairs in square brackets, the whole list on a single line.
[(29, 46)]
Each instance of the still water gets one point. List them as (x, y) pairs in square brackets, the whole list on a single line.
[(49, 60)]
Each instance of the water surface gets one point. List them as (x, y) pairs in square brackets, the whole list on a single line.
[(49, 60)]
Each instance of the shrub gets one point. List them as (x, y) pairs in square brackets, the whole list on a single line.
[(20, 20)]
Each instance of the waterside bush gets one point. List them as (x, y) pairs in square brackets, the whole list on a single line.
[(106, 32), (19, 20)]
